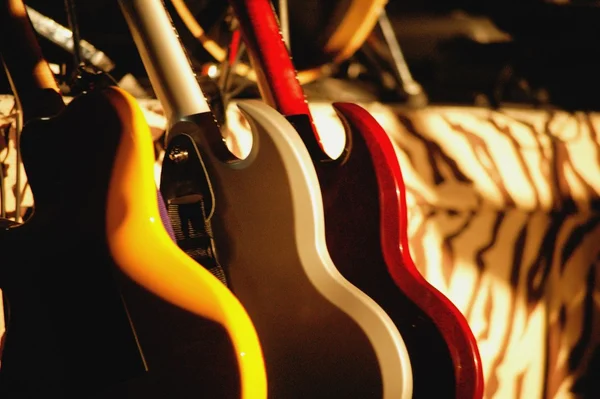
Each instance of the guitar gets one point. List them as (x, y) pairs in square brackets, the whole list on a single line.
[(102, 303), (322, 337), (365, 219)]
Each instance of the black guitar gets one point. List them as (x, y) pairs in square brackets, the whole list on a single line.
[(101, 302)]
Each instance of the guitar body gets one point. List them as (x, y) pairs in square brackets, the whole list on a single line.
[(365, 223), (365, 220), (97, 291), (321, 337)]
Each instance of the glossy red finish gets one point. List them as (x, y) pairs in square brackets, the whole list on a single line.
[(277, 78), (234, 46), (393, 218), (365, 220)]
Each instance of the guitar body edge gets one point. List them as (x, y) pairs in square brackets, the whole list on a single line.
[(145, 252), (152, 319), (375, 162), (321, 336)]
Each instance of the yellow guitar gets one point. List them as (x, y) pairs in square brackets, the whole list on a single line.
[(102, 302), (144, 251)]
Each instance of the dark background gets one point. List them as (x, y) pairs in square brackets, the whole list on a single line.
[(551, 57)]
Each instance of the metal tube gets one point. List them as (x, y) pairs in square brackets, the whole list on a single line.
[(164, 58)]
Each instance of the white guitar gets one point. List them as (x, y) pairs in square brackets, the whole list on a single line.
[(321, 336)]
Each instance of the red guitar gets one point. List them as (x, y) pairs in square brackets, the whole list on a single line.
[(365, 219)]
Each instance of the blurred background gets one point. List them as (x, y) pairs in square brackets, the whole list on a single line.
[(530, 52)]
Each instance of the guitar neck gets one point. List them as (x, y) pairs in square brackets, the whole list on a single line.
[(28, 72), (164, 58), (275, 72)]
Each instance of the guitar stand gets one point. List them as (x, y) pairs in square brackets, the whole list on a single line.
[(384, 53), (409, 87)]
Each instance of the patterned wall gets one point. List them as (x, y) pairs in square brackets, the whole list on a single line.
[(504, 220)]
